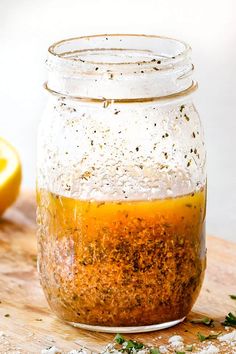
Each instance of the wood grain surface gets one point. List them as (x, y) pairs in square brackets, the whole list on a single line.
[(26, 322)]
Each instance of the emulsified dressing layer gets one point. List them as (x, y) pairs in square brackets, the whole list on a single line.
[(127, 263)]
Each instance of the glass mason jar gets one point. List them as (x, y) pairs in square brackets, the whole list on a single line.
[(121, 183)]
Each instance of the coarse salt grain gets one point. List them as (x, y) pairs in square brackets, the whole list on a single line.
[(176, 341), (163, 349), (211, 349), (110, 349), (80, 351), (228, 338), (51, 350)]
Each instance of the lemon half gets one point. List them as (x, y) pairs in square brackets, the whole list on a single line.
[(10, 175)]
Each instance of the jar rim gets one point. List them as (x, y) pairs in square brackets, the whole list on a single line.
[(55, 48), (120, 67)]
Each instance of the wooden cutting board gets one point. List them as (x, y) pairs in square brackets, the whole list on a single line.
[(26, 322)]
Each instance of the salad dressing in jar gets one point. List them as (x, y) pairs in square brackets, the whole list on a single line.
[(121, 186)]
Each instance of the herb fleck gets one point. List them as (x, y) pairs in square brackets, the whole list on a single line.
[(230, 320), (155, 351), (106, 103), (166, 155), (233, 297), (187, 118), (203, 337), (132, 344), (205, 320), (181, 108), (119, 339), (86, 175)]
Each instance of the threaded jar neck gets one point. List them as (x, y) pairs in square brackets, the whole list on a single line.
[(119, 67)]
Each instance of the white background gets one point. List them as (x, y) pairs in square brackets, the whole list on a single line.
[(28, 27)]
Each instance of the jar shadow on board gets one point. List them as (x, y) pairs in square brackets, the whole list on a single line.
[(121, 184)]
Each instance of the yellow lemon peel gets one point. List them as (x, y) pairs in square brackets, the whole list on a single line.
[(10, 175)]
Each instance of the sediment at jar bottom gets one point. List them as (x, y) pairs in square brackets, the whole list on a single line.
[(126, 263)]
